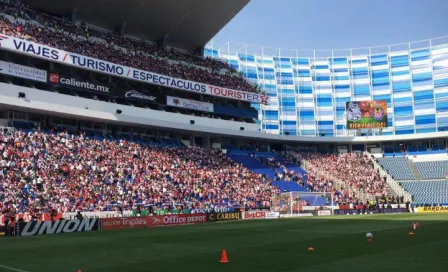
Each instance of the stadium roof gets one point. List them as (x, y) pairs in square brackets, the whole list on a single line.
[(186, 24)]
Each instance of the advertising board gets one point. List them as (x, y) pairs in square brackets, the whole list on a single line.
[(152, 221), (88, 86), (53, 54), (381, 210), (131, 222), (223, 216), (324, 212), (440, 209), (189, 104), (54, 227), (296, 215), (75, 83), (260, 215), (26, 72), (72, 215)]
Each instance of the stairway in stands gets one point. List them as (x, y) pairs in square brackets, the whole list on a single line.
[(254, 165), (414, 170), (257, 166)]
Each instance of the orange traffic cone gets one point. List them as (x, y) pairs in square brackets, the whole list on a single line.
[(79, 270), (369, 239), (224, 257), (411, 233), (310, 248)]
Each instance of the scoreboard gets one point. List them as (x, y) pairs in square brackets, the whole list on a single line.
[(369, 114)]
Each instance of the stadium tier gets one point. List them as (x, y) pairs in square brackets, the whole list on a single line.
[(397, 167), (432, 169), (41, 172), (402, 168), (308, 91), (428, 192), (45, 171), (24, 22)]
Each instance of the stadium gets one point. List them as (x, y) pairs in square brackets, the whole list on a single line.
[(127, 133)]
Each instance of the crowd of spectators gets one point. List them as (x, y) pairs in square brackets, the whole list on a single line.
[(42, 28), (353, 171), (40, 173), (348, 177)]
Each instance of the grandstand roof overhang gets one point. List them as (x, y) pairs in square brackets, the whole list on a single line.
[(186, 24)]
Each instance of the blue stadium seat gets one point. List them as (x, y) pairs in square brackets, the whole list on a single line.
[(428, 192), (432, 169), (253, 164), (397, 167)]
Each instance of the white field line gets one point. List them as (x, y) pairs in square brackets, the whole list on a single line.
[(350, 232), (12, 269)]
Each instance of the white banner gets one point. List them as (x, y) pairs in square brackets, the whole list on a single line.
[(72, 215), (25, 72), (296, 215), (57, 55), (189, 104), (272, 215), (324, 212)]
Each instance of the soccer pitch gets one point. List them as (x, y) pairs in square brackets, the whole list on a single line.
[(259, 245)]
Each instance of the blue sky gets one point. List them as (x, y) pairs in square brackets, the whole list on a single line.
[(325, 24)]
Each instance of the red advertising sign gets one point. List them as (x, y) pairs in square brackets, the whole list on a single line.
[(183, 219), (254, 215), (131, 222), (152, 221)]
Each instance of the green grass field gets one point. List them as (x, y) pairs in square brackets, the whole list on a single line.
[(263, 245)]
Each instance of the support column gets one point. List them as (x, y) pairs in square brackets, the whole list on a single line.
[(122, 29), (162, 41), (74, 17), (192, 140), (206, 141)]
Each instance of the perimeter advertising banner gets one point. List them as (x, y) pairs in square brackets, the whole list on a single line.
[(189, 104), (85, 85), (260, 215), (52, 54), (443, 209), (224, 216), (80, 84), (366, 114), (54, 227), (26, 72), (152, 221)]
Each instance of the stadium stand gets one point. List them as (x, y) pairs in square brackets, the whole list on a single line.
[(432, 169), (397, 167), (419, 178), (428, 192), (45, 171), (90, 171), (254, 165), (352, 178), (352, 171), (24, 22)]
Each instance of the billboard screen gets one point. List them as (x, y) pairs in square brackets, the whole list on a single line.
[(366, 114)]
